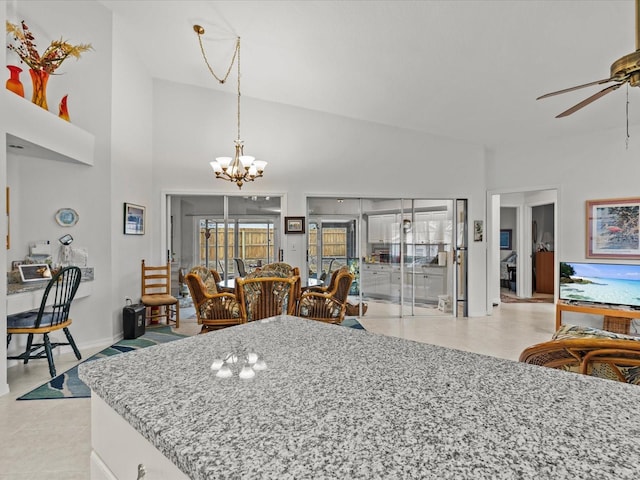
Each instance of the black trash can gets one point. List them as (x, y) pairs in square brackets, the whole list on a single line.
[(133, 321)]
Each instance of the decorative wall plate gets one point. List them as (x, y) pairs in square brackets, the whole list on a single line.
[(66, 217)]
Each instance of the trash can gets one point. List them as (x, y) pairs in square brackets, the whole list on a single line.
[(133, 320)]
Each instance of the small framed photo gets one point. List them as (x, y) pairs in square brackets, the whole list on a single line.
[(36, 272), (612, 228), (293, 224), (133, 219), (505, 239), (478, 230)]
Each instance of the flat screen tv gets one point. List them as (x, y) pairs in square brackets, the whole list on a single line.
[(602, 283)]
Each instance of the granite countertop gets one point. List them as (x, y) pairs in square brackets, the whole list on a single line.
[(23, 287), (342, 403)]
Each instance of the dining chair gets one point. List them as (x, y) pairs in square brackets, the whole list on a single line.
[(330, 305), (606, 355), (156, 294), (209, 276), (266, 296), (52, 315), (240, 268), (213, 310)]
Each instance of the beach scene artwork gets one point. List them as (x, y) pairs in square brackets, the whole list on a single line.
[(615, 284)]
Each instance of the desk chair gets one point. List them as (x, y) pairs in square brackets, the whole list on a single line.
[(156, 294), (52, 315)]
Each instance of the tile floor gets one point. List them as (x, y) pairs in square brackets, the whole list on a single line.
[(51, 439)]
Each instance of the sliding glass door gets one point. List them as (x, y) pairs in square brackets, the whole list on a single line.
[(402, 250)]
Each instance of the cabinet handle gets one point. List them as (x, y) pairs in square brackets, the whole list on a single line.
[(142, 471)]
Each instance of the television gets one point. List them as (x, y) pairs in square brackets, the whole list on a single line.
[(600, 283)]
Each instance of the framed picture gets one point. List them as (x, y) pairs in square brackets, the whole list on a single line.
[(133, 219), (477, 230), (293, 224), (612, 228), (35, 272), (505, 239)]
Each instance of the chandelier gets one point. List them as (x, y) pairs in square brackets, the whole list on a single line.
[(241, 168)]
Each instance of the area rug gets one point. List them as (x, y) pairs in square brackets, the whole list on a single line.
[(68, 385), (510, 299)]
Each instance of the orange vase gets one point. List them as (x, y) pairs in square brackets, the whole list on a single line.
[(14, 84), (39, 79)]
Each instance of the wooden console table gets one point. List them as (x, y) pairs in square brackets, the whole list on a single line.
[(618, 320)]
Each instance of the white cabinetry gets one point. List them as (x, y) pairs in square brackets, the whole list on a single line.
[(118, 449), (376, 279), (429, 282), (380, 228), (432, 227)]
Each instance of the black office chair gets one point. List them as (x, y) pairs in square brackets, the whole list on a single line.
[(59, 292), (240, 270)]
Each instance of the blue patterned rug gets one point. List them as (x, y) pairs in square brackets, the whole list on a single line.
[(68, 385)]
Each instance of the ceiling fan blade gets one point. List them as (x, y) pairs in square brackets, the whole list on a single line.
[(592, 98), (597, 82)]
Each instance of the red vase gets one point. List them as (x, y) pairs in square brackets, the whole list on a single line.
[(39, 79), (14, 84)]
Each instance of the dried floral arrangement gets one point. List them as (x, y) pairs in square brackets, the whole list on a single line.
[(51, 58)]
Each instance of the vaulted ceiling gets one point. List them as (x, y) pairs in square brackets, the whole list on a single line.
[(468, 70)]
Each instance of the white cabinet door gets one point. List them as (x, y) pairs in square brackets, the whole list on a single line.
[(380, 228)]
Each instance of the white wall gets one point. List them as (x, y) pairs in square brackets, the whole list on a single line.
[(131, 167), (40, 186), (310, 154), (584, 168)]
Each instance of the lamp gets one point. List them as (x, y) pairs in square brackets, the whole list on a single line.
[(241, 168)]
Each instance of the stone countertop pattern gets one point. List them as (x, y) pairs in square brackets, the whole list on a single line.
[(337, 402)]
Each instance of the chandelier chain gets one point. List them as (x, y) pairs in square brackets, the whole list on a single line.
[(206, 60)]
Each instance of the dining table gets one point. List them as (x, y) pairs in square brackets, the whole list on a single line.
[(229, 284), (340, 403)]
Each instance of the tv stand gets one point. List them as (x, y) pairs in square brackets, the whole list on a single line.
[(615, 319)]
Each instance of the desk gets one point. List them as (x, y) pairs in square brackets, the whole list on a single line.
[(342, 403), (229, 285), (26, 297)]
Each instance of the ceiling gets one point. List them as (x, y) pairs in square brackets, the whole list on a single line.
[(467, 70)]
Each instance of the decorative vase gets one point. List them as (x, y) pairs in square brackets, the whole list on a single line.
[(14, 84), (63, 112), (39, 79)]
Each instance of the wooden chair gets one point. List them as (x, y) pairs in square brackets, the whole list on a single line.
[(59, 294), (213, 310), (266, 296), (328, 306), (611, 358), (156, 294), (209, 276)]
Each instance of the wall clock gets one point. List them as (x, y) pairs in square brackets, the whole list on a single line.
[(66, 217)]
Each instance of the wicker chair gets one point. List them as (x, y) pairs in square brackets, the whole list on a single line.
[(209, 276), (213, 311), (266, 296), (330, 305), (610, 357)]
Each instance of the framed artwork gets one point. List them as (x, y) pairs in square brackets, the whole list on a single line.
[(293, 224), (133, 219), (477, 230), (612, 228), (505, 238)]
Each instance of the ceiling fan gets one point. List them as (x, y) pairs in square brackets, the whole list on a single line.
[(624, 70)]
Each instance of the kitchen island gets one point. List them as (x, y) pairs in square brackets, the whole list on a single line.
[(343, 403)]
